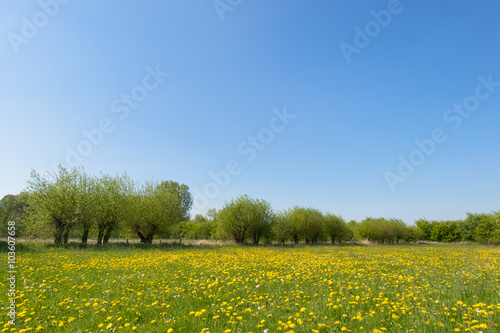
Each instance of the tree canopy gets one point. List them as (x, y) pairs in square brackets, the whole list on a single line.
[(71, 200)]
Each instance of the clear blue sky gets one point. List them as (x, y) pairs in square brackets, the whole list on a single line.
[(360, 101)]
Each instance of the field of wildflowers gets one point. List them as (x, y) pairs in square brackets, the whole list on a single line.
[(417, 288)]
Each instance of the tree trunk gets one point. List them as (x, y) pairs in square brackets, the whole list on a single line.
[(141, 236), (58, 236), (85, 235), (105, 240), (148, 239), (99, 236), (238, 239), (66, 236), (107, 236)]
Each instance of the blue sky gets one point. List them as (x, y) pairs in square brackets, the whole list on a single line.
[(68, 67)]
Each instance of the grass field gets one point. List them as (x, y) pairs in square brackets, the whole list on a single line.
[(418, 288)]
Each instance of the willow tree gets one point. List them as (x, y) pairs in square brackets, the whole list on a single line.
[(283, 228), (337, 228), (53, 203), (246, 217), (155, 207), (307, 222), (13, 208), (110, 204), (85, 197)]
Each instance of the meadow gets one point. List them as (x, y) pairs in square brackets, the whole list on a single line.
[(376, 288)]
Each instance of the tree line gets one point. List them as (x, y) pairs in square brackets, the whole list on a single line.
[(71, 203)]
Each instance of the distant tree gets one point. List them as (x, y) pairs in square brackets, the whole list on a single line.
[(370, 229), (382, 230), (495, 235), (246, 217), (413, 234), (262, 217), (85, 209), (178, 230), (212, 214), (425, 229), (353, 225), (336, 228), (201, 230), (182, 194), (200, 219), (53, 203), (283, 228), (156, 207), (400, 229), (111, 205), (446, 231), (307, 222), (481, 226), (219, 230), (12, 208), (388, 231), (349, 233)]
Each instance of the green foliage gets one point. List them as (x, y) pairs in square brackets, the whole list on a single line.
[(199, 228), (182, 195), (413, 234), (109, 208), (307, 224), (283, 228), (155, 207), (246, 217), (382, 230), (481, 228), (400, 229), (371, 229), (425, 229), (337, 229), (72, 203), (446, 231), (12, 208), (354, 226), (53, 203), (70, 200)]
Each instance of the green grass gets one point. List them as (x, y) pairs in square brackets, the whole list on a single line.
[(121, 287)]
